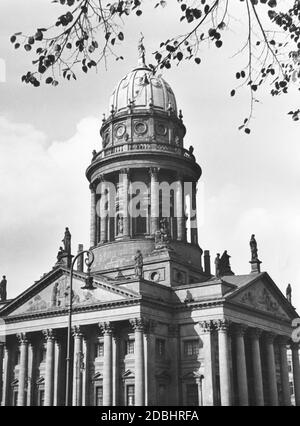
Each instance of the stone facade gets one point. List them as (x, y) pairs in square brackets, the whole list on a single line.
[(158, 328)]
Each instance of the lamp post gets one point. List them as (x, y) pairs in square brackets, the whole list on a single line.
[(88, 286)]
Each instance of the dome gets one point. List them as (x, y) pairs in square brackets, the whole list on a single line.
[(142, 89)]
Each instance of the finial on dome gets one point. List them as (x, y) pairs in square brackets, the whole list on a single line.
[(142, 51)]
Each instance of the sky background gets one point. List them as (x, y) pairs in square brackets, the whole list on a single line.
[(250, 184)]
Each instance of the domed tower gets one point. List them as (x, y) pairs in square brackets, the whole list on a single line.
[(143, 185)]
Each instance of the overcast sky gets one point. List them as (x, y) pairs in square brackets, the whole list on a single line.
[(250, 184)]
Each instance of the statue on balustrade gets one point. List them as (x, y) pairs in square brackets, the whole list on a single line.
[(139, 264), (223, 265), (3, 284)]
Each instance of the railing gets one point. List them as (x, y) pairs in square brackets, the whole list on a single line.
[(143, 146)]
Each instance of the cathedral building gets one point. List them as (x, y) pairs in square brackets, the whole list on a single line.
[(151, 322)]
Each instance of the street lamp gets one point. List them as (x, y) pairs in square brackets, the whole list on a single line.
[(88, 286)]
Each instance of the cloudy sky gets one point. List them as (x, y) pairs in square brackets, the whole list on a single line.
[(250, 184)]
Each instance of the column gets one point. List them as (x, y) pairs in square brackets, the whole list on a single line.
[(93, 229), (255, 334), (58, 385), (6, 375), (207, 328), (180, 210), (107, 331), (115, 371), (138, 325), (22, 389), (31, 372), (284, 370), (271, 369), (154, 189), (49, 371), (1, 369), (193, 222), (296, 371), (85, 373), (77, 367), (239, 332), (224, 369), (124, 180)]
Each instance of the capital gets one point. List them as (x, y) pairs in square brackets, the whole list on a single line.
[(207, 326), (106, 328), (22, 338), (153, 171), (294, 346), (269, 337), (139, 324), (49, 334), (222, 325), (77, 331), (239, 330), (255, 333)]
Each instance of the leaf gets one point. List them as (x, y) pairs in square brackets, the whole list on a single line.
[(49, 80), (232, 93), (197, 60)]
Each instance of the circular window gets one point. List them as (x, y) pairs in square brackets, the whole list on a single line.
[(120, 131), (161, 129), (140, 128), (154, 276)]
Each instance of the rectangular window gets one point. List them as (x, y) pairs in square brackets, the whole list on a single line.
[(192, 397), (291, 388), (129, 346), (99, 396), (191, 347), (160, 348), (41, 400), (130, 395), (99, 350)]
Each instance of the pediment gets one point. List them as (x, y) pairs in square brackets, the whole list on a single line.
[(263, 295), (54, 294)]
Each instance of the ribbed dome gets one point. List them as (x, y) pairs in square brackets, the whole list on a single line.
[(142, 89)]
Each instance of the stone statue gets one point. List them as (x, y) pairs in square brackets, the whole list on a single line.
[(3, 284), (67, 241), (61, 254), (94, 154), (217, 265), (191, 150), (253, 247), (142, 50), (139, 263), (289, 293)]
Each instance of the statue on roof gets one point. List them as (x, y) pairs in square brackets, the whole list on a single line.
[(142, 51), (253, 247), (3, 284), (67, 241), (217, 265), (289, 293)]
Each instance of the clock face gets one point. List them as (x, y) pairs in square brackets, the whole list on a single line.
[(120, 131), (140, 128)]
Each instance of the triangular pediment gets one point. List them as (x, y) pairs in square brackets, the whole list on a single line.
[(262, 294), (52, 292)]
